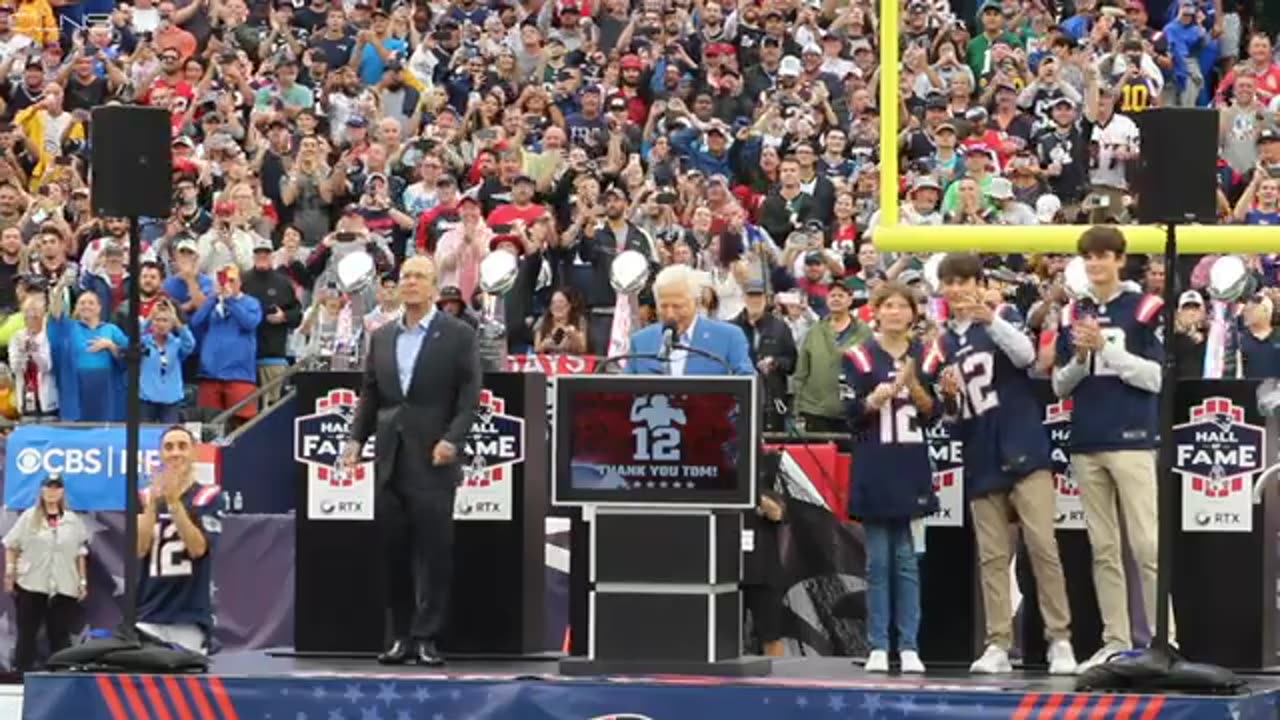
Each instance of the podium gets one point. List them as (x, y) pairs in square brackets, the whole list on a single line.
[(663, 468), (497, 606)]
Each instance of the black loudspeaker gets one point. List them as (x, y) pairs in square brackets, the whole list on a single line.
[(1178, 167), (131, 162)]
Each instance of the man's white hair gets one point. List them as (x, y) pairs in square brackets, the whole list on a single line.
[(682, 279)]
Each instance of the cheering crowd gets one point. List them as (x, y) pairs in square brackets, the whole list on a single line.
[(740, 139)]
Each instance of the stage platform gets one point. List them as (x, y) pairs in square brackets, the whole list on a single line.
[(257, 686)]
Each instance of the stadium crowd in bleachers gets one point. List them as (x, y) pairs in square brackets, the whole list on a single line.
[(741, 138)]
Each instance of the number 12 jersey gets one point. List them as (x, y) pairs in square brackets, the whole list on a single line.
[(176, 589)]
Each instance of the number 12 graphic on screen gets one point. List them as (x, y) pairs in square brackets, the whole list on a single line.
[(657, 439), (168, 553)]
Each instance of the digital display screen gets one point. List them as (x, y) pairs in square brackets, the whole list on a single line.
[(638, 441)]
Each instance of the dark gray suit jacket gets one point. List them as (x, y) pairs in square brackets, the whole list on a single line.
[(441, 404)]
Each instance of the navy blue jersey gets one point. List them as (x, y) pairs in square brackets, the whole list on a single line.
[(892, 476), (174, 589), (998, 418), (1260, 356), (1109, 413)]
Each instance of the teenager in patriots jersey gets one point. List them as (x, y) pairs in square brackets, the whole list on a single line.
[(891, 490), (1108, 360), (988, 394), (177, 530)]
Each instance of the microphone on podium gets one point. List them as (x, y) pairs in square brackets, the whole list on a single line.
[(669, 330)]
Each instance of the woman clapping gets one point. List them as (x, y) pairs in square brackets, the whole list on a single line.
[(888, 407)]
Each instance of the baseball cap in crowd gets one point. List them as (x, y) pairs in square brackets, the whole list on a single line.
[(811, 49), (945, 126), (263, 245), (1190, 297), (632, 62), (977, 149), (858, 45), (449, 293), (789, 67), (357, 121), (1268, 135), (925, 182), (1047, 208), (976, 114), (936, 101), (754, 286), (814, 257), (1000, 189), (53, 478), (184, 141), (991, 5), (1064, 100), (186, 244)]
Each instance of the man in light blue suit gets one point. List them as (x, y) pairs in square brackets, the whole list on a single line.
[(676, 292)]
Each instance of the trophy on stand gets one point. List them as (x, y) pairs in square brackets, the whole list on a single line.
[(356, 273), (498, 273), (1229, 281), (629, 276)]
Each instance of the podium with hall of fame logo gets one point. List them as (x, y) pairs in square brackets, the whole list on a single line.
[(663, 468)]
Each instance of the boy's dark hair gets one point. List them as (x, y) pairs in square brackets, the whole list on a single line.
[(960, 266), (179, 428), (893, 288), (1100, 239)]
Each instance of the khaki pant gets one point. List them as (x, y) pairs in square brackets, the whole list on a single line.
[(267, 373), (1130, 477), (1033, 500)]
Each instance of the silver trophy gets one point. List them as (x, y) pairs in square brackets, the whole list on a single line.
[(498, 273)]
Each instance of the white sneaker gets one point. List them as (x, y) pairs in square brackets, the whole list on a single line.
[(910, 660), (1104, 653), (877, 662), (1062, 658), (994, 661)]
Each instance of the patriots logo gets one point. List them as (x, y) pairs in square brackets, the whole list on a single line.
[(1217, 450)]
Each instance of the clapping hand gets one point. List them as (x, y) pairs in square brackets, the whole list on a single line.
[(102, 343), (881, 395), (950, 382), (1086, 336)]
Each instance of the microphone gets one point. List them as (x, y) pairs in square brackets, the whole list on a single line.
[(668, 340)]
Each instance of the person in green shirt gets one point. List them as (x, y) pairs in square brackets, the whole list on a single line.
[(978, 53), (817, 376), (977, 165)]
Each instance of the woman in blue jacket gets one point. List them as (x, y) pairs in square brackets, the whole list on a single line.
[(166, 343), (86, 360), (891, 489)]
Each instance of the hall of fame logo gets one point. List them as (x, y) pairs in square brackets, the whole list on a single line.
[(333, 492), (493, 447), (947, 455), (1069, 513), (1217, 455)]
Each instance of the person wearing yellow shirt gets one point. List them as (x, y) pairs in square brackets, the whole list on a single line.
[(35, 19), (46, 126)]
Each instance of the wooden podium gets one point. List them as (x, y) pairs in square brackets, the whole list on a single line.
[(497, 608)]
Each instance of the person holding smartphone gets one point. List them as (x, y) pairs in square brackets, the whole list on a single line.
[(562, 328), (166, 344)]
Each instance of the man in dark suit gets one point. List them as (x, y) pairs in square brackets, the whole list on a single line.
[(418, 398)]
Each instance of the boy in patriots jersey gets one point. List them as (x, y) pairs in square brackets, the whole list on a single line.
[(177, 530), (1108, 360), (891, 489), (1007, 469)]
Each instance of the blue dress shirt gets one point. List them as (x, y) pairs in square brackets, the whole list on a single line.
[(408, 344)]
